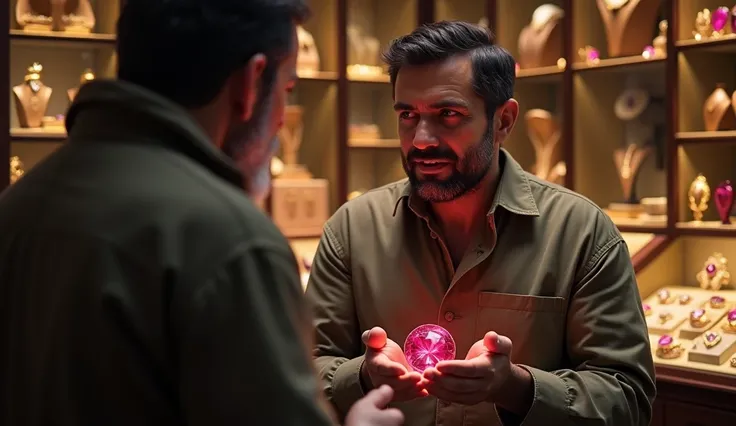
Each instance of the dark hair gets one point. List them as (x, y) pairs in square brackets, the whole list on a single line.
[(186, 49), (494, 69)]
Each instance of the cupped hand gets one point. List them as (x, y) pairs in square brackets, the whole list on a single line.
[(477, 378), (371, 410), (385, 364)]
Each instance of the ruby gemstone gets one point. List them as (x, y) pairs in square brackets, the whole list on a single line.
[(732, 315), (646, 307), (724, 201), (427, 345), (710, 269), (698, 313), (593, 54), (719, 18), (665, 340), (717, 299)]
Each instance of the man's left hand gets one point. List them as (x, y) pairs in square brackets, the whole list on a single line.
[(482, 375)]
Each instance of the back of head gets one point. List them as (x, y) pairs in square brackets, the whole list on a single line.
[(494, 69), (185, 50)]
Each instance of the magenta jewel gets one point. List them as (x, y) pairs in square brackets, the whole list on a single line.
[(697, 314), (719, 18), (646, 307), (665, 340), (710, 269), (648, 52), (710, 336), (593, 54), (733, 20), (724, 201), (717, 300), (307, 263), (427, 345), (732, 315)]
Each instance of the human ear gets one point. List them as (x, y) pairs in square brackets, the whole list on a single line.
[(506, 116), (246, 86)]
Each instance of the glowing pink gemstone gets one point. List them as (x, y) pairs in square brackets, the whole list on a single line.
[(710, 336), (710, 269), (724, 201), (719, 18), (665, 340), (427, 345), (649, 52), (593, 54), (733, 20), (646, 307), (716, 300), (697, 314), (732, 315)]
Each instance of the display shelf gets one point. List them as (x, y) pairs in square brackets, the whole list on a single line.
[(723, 136), (621, 65), (19, 134), (92, 40), (306, 77), (719, 45), (717, 164), (374, 143), (551, 74), (619, 142), (687, 17)]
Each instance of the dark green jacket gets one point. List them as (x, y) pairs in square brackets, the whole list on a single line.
[(140, 286)]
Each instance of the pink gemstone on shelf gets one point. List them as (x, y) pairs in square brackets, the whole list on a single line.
[(724, 201), (732, 315), (698, 313), (427, 345), (733, 20), (665, 340), (717, 299), (646, 307), (710, 269), (649, 52), (593, 54), (719, 18), (710, 336)]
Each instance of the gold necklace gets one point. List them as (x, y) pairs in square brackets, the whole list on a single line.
[(626, 166)]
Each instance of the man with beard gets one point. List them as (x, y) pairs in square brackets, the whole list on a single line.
[(533, 281), (140, 285)]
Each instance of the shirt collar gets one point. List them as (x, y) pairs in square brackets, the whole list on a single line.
[(514, 193)]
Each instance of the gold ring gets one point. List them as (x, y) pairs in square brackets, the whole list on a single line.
[(665, 297), (717, 302), (698, 318), (711, 339), (684, 299), (667, 348), (664, 317), (730, 325), (733, 362)]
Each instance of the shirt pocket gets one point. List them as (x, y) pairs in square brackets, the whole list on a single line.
[(535, 325)]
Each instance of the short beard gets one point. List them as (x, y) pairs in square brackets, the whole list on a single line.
[(466, 177)]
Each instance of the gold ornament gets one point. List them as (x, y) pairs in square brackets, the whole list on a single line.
[(698, 197), (714, 274)]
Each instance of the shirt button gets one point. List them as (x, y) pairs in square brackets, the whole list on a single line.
[(449, 316)]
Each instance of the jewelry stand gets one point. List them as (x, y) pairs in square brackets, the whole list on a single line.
[(628, 24), (718, 113), (87, 76), (363, 55), (32, 98), (717, 354), (544, 133), (540, 42), (307, 62), (46, 15), (688, 331), (299, 203)]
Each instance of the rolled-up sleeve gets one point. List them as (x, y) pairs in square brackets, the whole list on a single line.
[(338, 350), (607, 341)]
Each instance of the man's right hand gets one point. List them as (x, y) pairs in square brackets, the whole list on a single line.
[(371, 410), (385, 364)]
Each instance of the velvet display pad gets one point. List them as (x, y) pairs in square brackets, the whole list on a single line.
[(679, 316), (718, 354), (687, 331)]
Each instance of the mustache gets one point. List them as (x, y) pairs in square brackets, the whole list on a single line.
[(431, 154)]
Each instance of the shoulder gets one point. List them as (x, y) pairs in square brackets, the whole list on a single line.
[(373, 207), (567, 215)]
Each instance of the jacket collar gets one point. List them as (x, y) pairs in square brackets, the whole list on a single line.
[(115, 110), (513, 193)]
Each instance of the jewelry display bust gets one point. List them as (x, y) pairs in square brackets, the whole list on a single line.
[(87, 76), (540, 42), (544, 133), (291, 138), (718, 113), (628, 24), (55, 15), (307, 62), (628, 163), (32, 98), (363, 54)]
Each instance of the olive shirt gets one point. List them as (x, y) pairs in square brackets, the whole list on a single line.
[(550, 271)]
